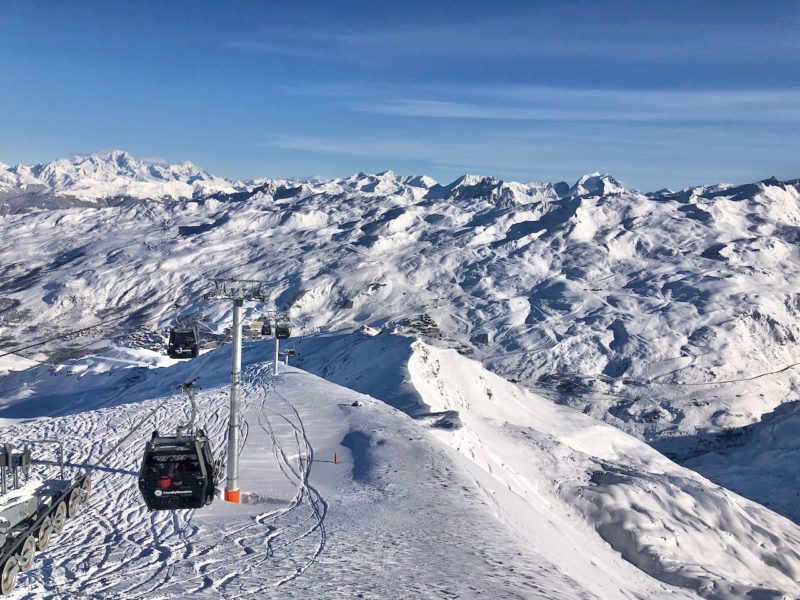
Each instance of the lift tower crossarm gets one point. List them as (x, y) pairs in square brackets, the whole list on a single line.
[(239, 291)]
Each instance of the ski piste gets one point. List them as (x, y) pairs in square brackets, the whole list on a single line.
[(487, 312)]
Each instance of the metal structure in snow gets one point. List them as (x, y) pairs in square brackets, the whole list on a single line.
[(287, 354), (238, 291), (33, 510), (276, 322)]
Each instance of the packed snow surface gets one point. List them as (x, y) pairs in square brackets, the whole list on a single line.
[(397, 517), (521, 499)]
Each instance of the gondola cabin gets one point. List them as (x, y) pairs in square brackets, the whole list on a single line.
[(177, 472), (184, 342), (266, 329), (283, 331)]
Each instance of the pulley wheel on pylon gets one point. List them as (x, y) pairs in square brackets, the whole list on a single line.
[(8, 576), (26, 554), (60, 517), (44, 533)]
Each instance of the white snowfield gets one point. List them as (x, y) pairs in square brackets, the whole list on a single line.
[(672, 316), (630, 304), (530, 501), (12, 362), (665, 519), (397, 518)]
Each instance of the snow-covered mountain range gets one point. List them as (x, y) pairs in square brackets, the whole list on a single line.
[(673, 316), (117, 174), (111, 174)]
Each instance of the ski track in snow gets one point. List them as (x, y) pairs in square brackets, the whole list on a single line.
[(151, 553), (409, 530), (672, 316), (653, 312)]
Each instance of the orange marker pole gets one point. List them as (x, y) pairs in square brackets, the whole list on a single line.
[(233, 496)]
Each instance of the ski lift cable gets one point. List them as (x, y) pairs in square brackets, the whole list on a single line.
[(210, 330), (63, 335), (150, 415)]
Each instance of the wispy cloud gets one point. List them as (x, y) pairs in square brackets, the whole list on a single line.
[(571, 104), (660, 33), (503, 101), (493, 154), (649, 155)]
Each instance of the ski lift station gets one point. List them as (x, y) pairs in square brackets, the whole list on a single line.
[(33, 510)]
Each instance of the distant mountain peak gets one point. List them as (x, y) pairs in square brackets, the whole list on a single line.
[(117, 173), (596, 184), (419, 181), (468, 180), (113, 173)]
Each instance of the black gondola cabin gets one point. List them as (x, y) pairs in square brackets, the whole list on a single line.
[(283, 331), (184, 342), (177, 472), (266, 328)]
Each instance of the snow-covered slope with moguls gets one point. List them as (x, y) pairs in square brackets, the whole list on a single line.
[(398, 516), (671, 316), (633, 303)]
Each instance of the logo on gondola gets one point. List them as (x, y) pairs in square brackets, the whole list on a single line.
[(157, 493)]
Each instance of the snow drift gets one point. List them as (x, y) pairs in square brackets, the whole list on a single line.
[(665, 519)]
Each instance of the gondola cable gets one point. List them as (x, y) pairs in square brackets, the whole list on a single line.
[(149, 415), (61, 336), (179, 471)]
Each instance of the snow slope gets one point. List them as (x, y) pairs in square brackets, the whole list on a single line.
[(671, 316), (534, 458), (398, 517), (531, 500), (632, 304), (671, 523), (761, 461)]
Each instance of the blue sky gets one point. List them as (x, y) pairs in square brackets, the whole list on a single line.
[(655, 93)]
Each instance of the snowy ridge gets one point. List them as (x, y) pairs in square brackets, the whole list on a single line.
[(397, 500), (118, 174), (112, 174), (665, 519), (613, 296), (672, 316), (613, 291), (534, 459), (530, 500)]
